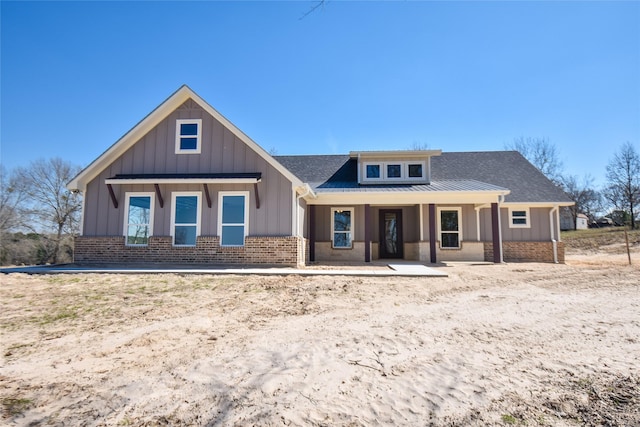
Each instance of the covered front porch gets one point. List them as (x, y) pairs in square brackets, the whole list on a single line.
[(424, 232)]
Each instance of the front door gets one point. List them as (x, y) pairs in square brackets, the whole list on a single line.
[(391, 233)]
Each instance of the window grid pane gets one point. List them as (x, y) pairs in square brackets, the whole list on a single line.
[(233, 210), (188, 143), (449, 220), (188, 129), (342, 239), (185, 235), (232, 235), (450, 240), (415, 171), (186, 210), (342, 221), (373, 171), (394, 171)]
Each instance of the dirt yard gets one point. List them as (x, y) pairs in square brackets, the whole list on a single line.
[(512, 344)]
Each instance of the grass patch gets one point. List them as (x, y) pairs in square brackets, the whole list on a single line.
[(64, 314), (15, 406), (594, 238), (509, 419)]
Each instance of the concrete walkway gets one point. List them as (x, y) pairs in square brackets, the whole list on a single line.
[(381, 270)]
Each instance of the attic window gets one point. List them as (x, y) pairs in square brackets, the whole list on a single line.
[(188, 132), (397, 172), (415, 170)]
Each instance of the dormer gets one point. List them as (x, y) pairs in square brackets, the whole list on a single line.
[(394, 167)]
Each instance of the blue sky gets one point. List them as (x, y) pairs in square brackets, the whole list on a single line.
[(460, 76)]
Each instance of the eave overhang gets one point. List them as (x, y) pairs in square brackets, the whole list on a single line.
[(394, 154), (214, 178)]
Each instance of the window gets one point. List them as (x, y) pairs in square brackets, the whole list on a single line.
[(233, 213), (519, 218), (138, 224), (341, 228), (373, 171), (415, 170), (450, 227), (394, 171), (188, 136), (185, 218)]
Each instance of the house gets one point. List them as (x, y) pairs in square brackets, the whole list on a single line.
[(567, 221), (187, 186)]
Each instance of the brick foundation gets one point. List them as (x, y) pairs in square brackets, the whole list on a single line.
[(526, 251), (257, 250)]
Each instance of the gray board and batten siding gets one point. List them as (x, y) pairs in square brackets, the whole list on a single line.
[(222, 152)]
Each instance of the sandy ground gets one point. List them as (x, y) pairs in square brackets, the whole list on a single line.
[(512, 344)]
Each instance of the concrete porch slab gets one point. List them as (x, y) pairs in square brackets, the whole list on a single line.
[(401, 270)]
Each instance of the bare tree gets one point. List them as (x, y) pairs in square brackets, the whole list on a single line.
[(11, 198), (623, 176), (542, 154), (50, 207), (419, 146), (587, 200)]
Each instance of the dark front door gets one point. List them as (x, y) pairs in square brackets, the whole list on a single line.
[(391, 233)]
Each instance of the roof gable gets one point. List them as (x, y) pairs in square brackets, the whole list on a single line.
[(171, 104)]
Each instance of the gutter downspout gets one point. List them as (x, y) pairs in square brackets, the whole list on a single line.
[(305, 194), (551, 229), (500, 202), (302, 246)]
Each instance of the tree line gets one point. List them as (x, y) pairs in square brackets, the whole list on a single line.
[(39, 216), (618, 199)]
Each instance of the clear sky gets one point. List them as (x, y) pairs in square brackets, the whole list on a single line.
[(459, 76)]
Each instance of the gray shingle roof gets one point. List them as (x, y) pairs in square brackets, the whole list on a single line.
[(454, 171)]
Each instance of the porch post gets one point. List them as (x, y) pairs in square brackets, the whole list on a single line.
[(367, 233), (312, 233), (495, 233), (432, 233)]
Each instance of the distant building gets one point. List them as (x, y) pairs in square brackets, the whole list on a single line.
[(566, 221)]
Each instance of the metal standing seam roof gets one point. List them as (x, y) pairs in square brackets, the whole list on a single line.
[(451, 185)]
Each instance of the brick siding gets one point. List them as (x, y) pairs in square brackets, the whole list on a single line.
[(257, 250), (526, 251)]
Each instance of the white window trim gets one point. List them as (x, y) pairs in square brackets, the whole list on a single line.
[(364, 171), (221, 194), (352, 231), (527, 217), (404, 172), (411, 178), (459, 210), (402, 176), (175, 195), (198, 136), (127, 197)]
